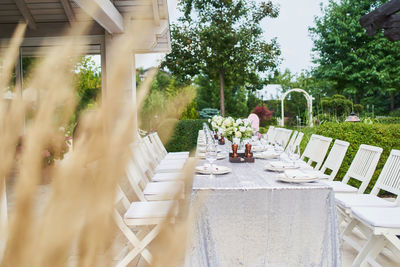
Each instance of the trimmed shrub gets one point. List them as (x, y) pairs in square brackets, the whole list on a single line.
[(386, 136), (387, 120), (184, 137)]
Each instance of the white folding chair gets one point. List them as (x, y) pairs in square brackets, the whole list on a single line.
[(316, 150), (167, 155), (298, 139), (377, 218), (165, 166), (141, 222), (362, 168), (282, 136), (151, 190), (381, 226), (270, 135), (291, 141), (335, 158)]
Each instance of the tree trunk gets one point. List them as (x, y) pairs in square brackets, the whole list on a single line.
[(221, 85)]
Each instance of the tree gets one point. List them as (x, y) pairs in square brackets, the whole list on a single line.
[(357, 65), (88, 80), (222, 41)]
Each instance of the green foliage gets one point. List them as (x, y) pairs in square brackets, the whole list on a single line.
[(385, 136), (358, 66), (164, 88), (185, 135), (387, 120), (88, 83), (337, 105), (222, 40)]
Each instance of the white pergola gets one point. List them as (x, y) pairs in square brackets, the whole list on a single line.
[(47, 20)]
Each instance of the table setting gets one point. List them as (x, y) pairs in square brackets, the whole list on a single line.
[(270, 212)]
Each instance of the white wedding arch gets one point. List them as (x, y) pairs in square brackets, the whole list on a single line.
[(309, 99)]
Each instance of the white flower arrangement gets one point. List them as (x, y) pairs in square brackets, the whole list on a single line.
[(216, 122), (231, 128)]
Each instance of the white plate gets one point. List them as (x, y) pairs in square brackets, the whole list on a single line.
[(203, 156), (284, 178), (203, 149), (265, 155), (282, 168), (205, 169)]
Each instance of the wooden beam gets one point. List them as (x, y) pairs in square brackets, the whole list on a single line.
[(47, 30), (23, 8), (68, 10), (376, 19), (104, 13), (156, 12)]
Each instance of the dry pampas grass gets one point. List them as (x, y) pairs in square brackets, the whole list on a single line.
[(74, 226)]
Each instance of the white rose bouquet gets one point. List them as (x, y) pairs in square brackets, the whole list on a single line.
[(216, 122), (241, 128)]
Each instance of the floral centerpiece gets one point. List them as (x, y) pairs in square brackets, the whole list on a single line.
[(239, 129), (216, 122)]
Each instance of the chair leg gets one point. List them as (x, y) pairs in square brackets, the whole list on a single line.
[(373, 243), (348, 229)]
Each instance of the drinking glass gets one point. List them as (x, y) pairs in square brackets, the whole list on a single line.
[(211, 156), (294, 154), (278, 147)]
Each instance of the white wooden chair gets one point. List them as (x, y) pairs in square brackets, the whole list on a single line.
[(151, 190), (167, 155), (146, 168), (298, 139), (316, 150), (282, 136), (362, 168), (151, 160), (381, 226), (141, 222), (335, 158), (291, 141), (377, 218), (270, 135)]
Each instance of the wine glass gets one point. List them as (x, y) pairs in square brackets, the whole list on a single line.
[(211, 156), (294, 153), (278, 147)]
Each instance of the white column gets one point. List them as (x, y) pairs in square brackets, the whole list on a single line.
[(109, 64)]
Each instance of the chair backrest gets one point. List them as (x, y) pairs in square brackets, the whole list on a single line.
[(298, 139), (282, 136), (136, 179), (316, 150), (152, 150), (158, 141), (389, 178), (291, 141), (363, 165), (254, 121), (335, 158), (270, 135)]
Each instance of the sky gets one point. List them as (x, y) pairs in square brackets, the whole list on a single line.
[(290, 28)]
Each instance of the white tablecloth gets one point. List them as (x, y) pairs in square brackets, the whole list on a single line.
[(248, 218)]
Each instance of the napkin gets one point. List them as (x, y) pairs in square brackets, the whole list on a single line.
[(266, 155), (281, 164), (297, 174)]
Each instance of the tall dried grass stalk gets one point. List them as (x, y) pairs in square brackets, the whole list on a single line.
[(74, 227)]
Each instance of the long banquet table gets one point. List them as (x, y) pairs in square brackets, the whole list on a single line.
[(249, 218)]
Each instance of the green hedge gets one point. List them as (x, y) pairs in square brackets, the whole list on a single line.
[(387, 120), (184, 137), (386, 136)]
